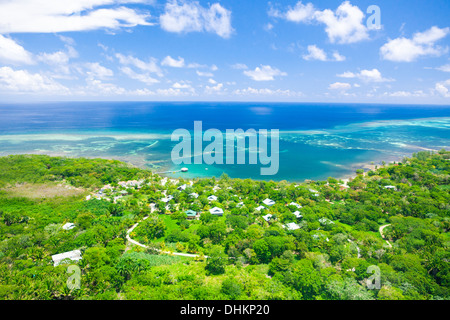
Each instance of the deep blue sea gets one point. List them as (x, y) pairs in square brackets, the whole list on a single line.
[(316, 140)]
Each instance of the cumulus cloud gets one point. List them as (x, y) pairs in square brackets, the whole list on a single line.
[(444, 68), (48, 16), (204, 74), (142, 77), (267, 92), (315, 53), (22, 81), (345, 25), (443, 88), (150, 66), (13, 53), (171, 62), (264, 73), (299, 13), (183, 17), (420, 45), (373, 75), (95, 70), (342, 86)]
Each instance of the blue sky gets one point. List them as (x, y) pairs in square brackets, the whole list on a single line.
[(305, 51)]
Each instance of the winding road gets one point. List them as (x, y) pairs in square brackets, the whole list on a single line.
[(382, 235), (144, 246)]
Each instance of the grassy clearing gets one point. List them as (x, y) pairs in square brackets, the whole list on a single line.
[(42, 190)]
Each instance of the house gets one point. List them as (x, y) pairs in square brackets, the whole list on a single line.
[(325, 221), (391, 188), (167, 199), (297, 214), (216, 211), (88, 198), (269, 202), (74, 255), (216, 188), (195, 195), (295, 205), (68, 226), (183, 187), (315, 192), (260, 208), (240, 204), (267, 217), (191, 214), (292, 226), (212, 198)]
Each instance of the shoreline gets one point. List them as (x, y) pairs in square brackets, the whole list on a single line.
[(166, 171)]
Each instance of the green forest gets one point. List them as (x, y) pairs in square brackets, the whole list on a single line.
[(315, 240)]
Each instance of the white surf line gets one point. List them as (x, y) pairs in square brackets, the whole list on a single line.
[(144, 246), (382, 235)]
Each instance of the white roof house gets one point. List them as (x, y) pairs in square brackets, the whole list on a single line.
[(68, 226), (88, 197), (216, 188), (292, 226), (167, 199), (183, 187), (267, 217), (269, 202), (298, 214), (195, 195), (74, 255), (325, 221), (260, 208), (216, 211), (315, 192), (212, 198), (240, 204), (295, 205), (390, 187)]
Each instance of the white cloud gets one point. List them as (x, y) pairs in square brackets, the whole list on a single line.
[(267, 92), (338, 57), (214, 89), (178, 85), (212, 81), (13, 53), (299, 13), (443, 88), (145, 78), (171, 62), (315, 53), (405, 94), (265, 73), (183, 16), (239, 66), (345, 25), (204, 74), (150, 66), (421, 45), (98, 71), (340, 86), (366, 75), (48, 16), (444, 68), (21, 81)]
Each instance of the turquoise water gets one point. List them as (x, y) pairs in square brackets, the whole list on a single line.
[(316, 140)]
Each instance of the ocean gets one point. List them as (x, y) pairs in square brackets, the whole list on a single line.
[(317, 141)]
